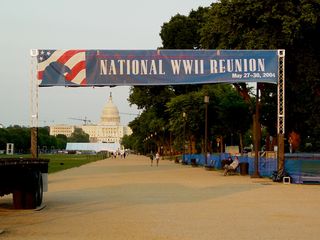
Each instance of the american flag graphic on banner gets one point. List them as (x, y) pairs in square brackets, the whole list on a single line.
[(61, 67)]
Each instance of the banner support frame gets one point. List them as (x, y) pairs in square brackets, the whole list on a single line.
[(34, 104), (281, 108)]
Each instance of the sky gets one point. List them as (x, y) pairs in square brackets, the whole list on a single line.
[(74, 24)]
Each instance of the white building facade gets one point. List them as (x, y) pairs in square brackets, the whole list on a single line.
[(108, 130), (63, 129)]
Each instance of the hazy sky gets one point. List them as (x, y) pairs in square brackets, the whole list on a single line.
[(74, 24)]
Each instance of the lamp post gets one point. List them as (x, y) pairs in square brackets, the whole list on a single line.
[(163, 142), (151, 142), (155, 142), (184, 115), (206, 101), (256, 127)]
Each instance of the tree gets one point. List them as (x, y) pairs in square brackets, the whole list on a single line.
[(133, 143), (173, 37), (290, 25), (126, 141), (154, 117), (61, 141), (234, 117), (163, 106), (79, 136), (45, 141), (189, 127), (145, 130), (242, 24), (225, 109), (3, 138), (20, 137), (182, 32)]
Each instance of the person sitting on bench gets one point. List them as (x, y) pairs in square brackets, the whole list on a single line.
[(232, 166)]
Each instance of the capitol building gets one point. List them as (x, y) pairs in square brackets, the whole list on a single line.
[(108, 130)]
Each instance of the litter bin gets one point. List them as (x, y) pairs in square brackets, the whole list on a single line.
[(194, 162), (244, 168)]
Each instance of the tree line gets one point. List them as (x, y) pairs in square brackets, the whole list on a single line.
[(173, 116), (20, 137)]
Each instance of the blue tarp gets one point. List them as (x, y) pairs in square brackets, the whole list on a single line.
[(302, 168), (266, 165)]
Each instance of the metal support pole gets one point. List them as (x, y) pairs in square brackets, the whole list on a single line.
[(170, 143), (256, 127), (34, 142), (34, 95), (206, 101), (280, 152), (184, 136), (281, 108)]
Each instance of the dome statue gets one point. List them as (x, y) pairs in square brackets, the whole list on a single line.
[(110, 114)]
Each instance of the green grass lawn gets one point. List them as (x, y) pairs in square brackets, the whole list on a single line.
[(59, 162)]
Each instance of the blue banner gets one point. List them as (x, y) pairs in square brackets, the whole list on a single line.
[(154, 67)]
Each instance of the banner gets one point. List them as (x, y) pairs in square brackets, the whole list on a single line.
[(87, 68)]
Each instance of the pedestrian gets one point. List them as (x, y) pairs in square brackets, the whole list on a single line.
[(151, 158), (157, 158)]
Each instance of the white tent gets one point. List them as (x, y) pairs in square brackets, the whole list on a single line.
[(97, 147)]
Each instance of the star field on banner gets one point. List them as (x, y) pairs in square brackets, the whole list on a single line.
[(154, 67), (57, 67)]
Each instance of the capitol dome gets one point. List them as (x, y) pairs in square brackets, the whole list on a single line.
[(110, 113)]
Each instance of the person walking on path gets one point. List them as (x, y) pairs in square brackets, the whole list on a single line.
[(151, 158), (157, 158)]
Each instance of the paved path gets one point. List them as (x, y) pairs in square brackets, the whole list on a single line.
[(127, 199)]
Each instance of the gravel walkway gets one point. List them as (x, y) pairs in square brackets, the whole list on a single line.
[(128, 199)]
